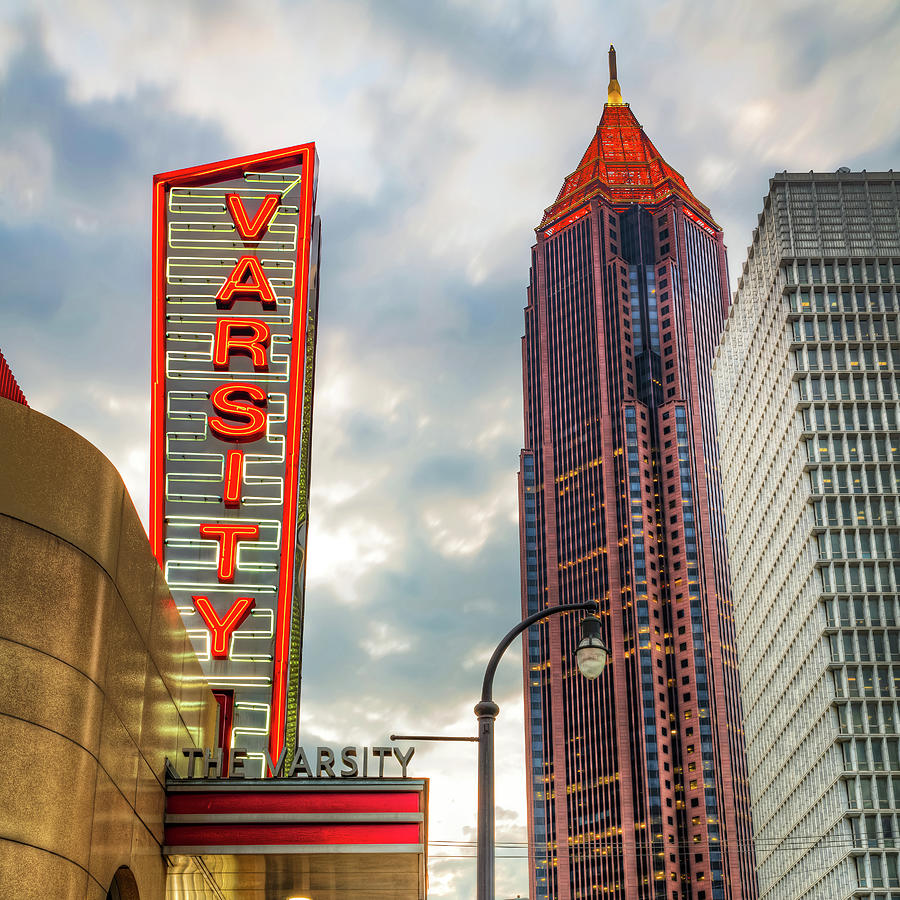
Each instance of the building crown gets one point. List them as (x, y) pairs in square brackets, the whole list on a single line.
[(621, 164)]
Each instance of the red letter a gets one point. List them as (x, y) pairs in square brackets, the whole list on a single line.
[(247, 281)]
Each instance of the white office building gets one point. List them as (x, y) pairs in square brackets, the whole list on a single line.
[(806, 383)]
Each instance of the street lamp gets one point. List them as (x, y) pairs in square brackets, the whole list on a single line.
[(590, 657)]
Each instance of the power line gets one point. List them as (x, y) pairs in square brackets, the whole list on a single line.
[(801, 842)]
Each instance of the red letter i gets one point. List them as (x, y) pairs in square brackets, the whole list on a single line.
[(234, 478)]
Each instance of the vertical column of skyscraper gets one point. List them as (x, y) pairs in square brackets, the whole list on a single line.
[(807, 387), (638, 780)]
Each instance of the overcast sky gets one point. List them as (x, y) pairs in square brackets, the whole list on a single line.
[(443, 131)]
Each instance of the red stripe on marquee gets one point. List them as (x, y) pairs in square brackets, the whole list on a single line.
[(262, 802), (288, 835)]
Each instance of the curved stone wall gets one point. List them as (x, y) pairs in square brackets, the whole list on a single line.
[(98, 681)]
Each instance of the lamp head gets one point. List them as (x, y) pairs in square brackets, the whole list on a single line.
[(591, 653)]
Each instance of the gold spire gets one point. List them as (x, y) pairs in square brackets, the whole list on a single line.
[(613, 92)]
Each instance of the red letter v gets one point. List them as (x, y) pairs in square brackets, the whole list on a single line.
[(252, 229)]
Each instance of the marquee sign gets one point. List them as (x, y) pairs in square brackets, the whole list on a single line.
[(325, 762), (235, 291)]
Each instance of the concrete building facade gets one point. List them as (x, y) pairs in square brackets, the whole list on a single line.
[(807, 398), (98, 680)]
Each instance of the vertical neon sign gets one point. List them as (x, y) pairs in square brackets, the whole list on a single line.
[(235, 295)]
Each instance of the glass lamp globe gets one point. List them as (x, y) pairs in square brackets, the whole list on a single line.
[(591, 653)]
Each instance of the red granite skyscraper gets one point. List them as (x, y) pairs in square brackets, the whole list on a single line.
[(638, 782)]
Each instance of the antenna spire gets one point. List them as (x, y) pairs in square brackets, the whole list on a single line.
[(613, 92)]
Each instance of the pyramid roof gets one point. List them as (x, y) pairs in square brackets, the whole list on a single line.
[(622, 165)]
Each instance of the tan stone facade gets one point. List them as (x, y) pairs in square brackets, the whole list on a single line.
[(98, 681)]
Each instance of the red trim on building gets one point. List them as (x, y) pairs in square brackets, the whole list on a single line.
[(9, 387)]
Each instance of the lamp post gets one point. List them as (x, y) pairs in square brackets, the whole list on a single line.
[(590, 657)]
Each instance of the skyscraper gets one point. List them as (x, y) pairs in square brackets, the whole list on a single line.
[(806, 385), (638, 781)]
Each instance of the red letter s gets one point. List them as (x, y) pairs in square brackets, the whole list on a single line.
[(246, 420)]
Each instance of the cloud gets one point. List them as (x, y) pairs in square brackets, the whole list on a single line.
[(383, 640), (74, 249)]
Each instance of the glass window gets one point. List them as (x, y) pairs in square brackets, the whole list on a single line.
[(865, 793)]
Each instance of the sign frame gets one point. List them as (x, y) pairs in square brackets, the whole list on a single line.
[(305, 156)]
